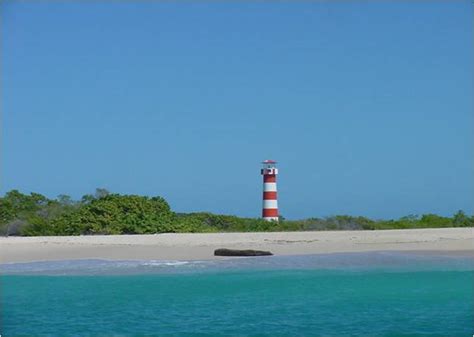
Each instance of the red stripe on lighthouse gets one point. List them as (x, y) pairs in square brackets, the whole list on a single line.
[(269, 178), (269, 195), (270, 212)]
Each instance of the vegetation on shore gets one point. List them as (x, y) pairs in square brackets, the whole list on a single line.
[(106, 213)]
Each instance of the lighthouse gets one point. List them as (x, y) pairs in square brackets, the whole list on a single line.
[(269, 172)]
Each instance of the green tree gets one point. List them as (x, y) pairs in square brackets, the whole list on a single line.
[(460, 219), (117, 214)]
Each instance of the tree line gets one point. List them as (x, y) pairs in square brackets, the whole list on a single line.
[(110, 213)]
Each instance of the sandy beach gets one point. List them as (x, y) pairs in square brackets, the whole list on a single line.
[(201, 246)]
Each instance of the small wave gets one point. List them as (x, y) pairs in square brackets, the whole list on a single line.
[(96, 267), (166, 263)]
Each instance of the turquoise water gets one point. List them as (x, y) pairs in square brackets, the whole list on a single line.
[(336, 295)]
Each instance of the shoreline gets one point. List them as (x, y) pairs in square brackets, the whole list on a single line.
[(201, 246)]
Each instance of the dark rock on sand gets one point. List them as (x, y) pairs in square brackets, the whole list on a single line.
[(238, 252)]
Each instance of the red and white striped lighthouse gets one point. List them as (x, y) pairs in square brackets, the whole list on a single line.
[(270, 203)]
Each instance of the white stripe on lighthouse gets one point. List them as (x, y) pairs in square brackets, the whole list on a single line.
[(269, 187), (270, 203)]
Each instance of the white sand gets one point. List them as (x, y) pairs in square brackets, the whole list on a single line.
[(201, 246)]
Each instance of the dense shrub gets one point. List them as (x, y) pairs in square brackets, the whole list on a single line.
[(105, 213)]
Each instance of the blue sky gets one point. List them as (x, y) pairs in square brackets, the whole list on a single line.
[(367, 106)]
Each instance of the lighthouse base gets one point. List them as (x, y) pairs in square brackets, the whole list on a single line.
[(270, 218)]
